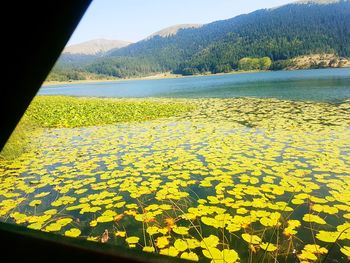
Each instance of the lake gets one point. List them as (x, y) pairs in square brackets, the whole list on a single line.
[(258, 170), (330, 85)]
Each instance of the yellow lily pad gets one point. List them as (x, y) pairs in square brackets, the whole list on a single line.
[(211, 241), (152, 230), (43, 194), (104, 219), (189, 256), (268, 246), (327, 236), (251, 239), (212, 253), (53, 227), (314, 219), (36, 226), (180, 245), (345, 250), (181, 230), (50, 212), (64, 221), (230, 256), (35, 203), (162, 242), (315, 249), (73, 232), (120, 233), (132, 240), (148, 249), (170, 251), (192, 243)]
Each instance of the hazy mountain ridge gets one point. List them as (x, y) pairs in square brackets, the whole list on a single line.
[(95, 47), (172, 30), (320, 2)]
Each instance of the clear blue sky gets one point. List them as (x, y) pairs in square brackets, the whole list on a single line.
[(133, 20)]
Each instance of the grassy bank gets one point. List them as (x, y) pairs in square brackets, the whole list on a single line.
[(70, 112)]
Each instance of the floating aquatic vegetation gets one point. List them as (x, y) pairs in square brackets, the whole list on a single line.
[(268, 247), (233, 180), (251, 239), (345, 250), (74, 232)]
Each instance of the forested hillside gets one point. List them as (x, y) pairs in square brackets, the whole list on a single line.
[(278, 34)]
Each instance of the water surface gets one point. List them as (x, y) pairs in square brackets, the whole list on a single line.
[(329, 85), (236, 179)]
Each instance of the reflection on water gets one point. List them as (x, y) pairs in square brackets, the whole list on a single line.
[(248, 179)]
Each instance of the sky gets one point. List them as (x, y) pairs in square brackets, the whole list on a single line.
[(134, 20)]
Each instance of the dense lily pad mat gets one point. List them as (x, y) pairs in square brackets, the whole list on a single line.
[(61, 111), (236, 180), (68, 112)]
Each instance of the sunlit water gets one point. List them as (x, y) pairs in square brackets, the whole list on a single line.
[(245, 178), (314, 85)]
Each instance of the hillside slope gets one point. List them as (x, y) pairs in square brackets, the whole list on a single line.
[(172, 30), (304, 27)]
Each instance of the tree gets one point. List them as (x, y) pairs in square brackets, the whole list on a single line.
[(254, 63), (265, 63), (225, 68)]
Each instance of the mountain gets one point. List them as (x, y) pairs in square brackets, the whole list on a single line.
[(87, 52), (172, 30), (95, 47), (272, 36), (319, 2)]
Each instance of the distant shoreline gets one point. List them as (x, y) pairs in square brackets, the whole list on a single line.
[(165, 75)]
